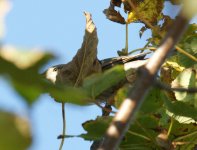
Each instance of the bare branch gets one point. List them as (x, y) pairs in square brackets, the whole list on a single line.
[(131, 104)]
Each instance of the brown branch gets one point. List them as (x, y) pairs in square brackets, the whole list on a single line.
[(166, 87), (131, 104)]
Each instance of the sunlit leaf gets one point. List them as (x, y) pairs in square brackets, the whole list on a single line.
[(120, 95), (148, 10), (15, 132), (179, 108), (24, 59), (186, 79)]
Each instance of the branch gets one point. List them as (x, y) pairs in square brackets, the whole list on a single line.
[(131, 104), (166, 87)]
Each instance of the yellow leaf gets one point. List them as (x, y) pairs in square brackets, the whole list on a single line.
[(131, 17)]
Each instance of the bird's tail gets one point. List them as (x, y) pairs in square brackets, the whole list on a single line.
[(110, 62)]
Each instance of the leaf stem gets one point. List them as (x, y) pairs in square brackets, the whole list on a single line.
[(185, 53), (185, 136), (170, 127), (139, 135), (142, 49)]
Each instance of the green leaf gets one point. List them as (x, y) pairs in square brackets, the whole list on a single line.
[(15, 132), (98, 83), (68, 94), (121, 95), (186, 79), (22, 71), (179, 108), (189, 45), (96, 128), (186, 133), (151, 103), (140, 136)]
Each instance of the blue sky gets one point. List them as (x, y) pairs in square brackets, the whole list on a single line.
[(58, 26)]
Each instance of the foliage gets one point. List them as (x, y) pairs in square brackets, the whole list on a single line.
[(15, 132), (166, 120)]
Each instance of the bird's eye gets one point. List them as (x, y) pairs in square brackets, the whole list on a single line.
[(55, 69)]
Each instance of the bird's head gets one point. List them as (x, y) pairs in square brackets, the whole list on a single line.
[(52, 73)]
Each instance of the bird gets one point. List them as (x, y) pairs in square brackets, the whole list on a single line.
[(62, 73)]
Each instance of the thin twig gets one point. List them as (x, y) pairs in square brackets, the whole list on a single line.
[(139, 135), (147, 74), (170, 127), (142, 49), (166, 87), (185, 136), (185, 53)]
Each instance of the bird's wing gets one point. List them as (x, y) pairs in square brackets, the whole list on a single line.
[(110, 62)]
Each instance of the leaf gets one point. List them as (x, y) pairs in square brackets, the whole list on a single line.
[(121, 95), (85, 62), (162, 29), (68, 94), (98, 83), (140, 136), (186, 79), (191, 31), (151, 103), (175, 2), (26, 81), (148, 10), (142, 30), (116, 2), (179, 108), (114, 15), (190, 46), (24, 59), (15, 132), (95, 128)]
